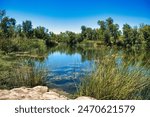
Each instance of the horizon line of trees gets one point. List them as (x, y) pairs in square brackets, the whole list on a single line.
[(108, 33)]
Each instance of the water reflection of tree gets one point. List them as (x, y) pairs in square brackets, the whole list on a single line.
[(140, 56), (91, 53)]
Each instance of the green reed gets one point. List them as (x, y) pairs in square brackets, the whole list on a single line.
[(113, 81), (23, 73)]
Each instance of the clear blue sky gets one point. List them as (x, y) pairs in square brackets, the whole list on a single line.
[(62, 15)]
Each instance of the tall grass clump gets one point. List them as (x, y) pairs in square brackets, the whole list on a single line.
[(25, 73), (117, 81)]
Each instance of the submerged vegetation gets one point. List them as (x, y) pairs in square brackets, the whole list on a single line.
[(127, 79)]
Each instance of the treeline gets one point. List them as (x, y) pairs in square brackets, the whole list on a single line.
[(9, 29), (22, 37), (108, 33)]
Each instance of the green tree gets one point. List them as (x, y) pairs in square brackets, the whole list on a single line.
[(19, 31), (72, 40), (89, 33), (115, 33), (102, 29), (134, 36), (146, 34), (113, 30), (109, 24), (41, 32), (102, 25), (83, 33), (131, 36), (107, 37), (127, 30), (63, 37), (7, 26), (27, 28), (2, 14)]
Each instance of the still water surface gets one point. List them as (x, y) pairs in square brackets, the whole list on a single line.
[(67, 66), (66, 70)]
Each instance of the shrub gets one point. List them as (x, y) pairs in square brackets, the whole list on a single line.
[(20, 44)]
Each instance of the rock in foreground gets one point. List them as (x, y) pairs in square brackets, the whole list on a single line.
[(36, 93)]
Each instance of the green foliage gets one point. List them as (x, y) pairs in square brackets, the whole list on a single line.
[(24, 73), (108, 33), (88, 33), (111, 81), (27, 28), (71, 38), (67, 37), (7, 27), (22, 45), (146, 34), (19, 32), (2, 14), (41, 32)]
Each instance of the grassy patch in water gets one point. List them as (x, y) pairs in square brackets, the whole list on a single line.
[(25, 73), (116, 82)]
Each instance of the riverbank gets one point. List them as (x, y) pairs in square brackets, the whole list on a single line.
[(35, 93)]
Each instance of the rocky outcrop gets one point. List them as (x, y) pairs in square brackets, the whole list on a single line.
[(36, 93), (84, 98)]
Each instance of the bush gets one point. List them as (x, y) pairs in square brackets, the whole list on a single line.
[(22, 45)]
